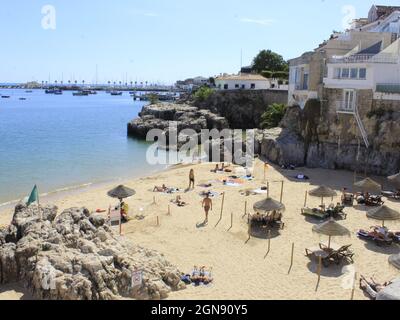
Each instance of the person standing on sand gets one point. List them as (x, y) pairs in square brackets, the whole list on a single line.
[(191, 179), (207, 205)]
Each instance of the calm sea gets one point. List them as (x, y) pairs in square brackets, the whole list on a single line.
[(64, 141)]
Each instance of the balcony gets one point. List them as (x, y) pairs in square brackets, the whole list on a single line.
[(388, 88), (370, 58), (342, 107)]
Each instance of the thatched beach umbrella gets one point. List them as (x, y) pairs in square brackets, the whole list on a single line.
[(395, 179), (369, 185), (121, 192), (331, 229), (323, 192), (394, 260), (383, 214), (268, 205)]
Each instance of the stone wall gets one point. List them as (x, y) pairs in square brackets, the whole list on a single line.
[(243, 108)]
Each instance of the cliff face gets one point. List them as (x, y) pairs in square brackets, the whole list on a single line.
[(243, 108), (321, 137)]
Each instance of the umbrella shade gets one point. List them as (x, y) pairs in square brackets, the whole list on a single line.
[(369, 185), (268, 205), (383, 214), (332, 229), (394, 260), (121, 192), (323, 192), (395, 179)]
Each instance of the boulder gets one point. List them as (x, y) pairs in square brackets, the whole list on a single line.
[(76, 256)]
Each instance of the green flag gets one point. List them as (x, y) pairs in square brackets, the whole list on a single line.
[(34, 197)]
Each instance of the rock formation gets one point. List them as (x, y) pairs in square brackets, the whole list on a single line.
[(318, 137), (75, 256)]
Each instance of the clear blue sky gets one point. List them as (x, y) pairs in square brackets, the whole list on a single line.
[(159, 40)]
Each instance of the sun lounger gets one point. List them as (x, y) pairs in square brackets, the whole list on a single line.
[(391, 195), (348, 199), (371, 236), (315, 213), (343, 252), (330, 255)]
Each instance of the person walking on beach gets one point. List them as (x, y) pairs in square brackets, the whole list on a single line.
[(207, 205), (191, 179)]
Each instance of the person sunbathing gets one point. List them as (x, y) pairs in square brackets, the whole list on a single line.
[(178, 201), (372, 288), (216, 169), (160, 189)]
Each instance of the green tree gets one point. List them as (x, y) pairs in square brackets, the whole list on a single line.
[(153, 98), (268, 60), (203, 94), (273, 116)]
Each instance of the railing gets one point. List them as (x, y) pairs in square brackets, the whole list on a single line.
[(342, 107), (388, 87), (371, 58)]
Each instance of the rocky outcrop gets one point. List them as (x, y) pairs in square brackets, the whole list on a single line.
[(159, 116), (243, 108), (75, 256), (319, 137)]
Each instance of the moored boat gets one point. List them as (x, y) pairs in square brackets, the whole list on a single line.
[(116, 93), (80, 94)]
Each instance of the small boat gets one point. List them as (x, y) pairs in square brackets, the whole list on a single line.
[(116, 93), (5, 97), (58, 92), (80, 94), (49, 91), (28, 91), (22, 99)]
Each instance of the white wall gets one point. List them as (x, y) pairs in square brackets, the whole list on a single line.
[(259, 84)]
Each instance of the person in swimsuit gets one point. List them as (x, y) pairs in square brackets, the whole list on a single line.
[(191, 179), (207, 205)]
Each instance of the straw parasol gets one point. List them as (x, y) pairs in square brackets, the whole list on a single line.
[(268, 205), (394, 260), (121, 192), (369, 185), (395, 179), (331, 229), (323, 192), (383, 214)]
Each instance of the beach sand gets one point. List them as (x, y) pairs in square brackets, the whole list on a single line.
[(241, 270)]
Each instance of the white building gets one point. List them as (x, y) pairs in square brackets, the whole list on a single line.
[(379, 72), (247, 81)]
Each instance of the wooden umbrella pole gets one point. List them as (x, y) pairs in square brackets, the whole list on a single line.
[(354, 286), (245, 209), (319, 271), (329, 243), (268, 189), (305, 199), (282, 191), (291, 259)]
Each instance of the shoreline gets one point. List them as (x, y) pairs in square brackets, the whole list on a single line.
[(241, 269)]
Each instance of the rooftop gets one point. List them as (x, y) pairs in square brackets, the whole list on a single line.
[(242, 76)]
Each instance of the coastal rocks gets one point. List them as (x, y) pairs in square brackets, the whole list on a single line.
[(184, 116), (75, 256)]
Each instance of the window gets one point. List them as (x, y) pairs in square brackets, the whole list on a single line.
[(226, 87), (363, 73), (305, 81), (243, 86), (237, 86), (345, 73), (336, 73), (349, 100), (354, 73), (253, 86)]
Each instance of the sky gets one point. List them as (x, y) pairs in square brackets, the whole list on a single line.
[(159, 40)]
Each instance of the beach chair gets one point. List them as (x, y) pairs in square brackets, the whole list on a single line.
[(374, 201), (326, 255), (342, 254), (383, 240), (315, 213), (391, 195), (337, 212)]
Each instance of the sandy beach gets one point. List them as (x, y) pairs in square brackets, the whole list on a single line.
[(241, 270)]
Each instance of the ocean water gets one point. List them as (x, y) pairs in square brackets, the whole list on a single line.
[(64, 141)]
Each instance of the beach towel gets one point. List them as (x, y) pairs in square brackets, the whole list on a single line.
[(302, 177), (212, 194)]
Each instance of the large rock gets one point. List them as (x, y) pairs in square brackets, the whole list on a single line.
[(160, 116), (75, 256)]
